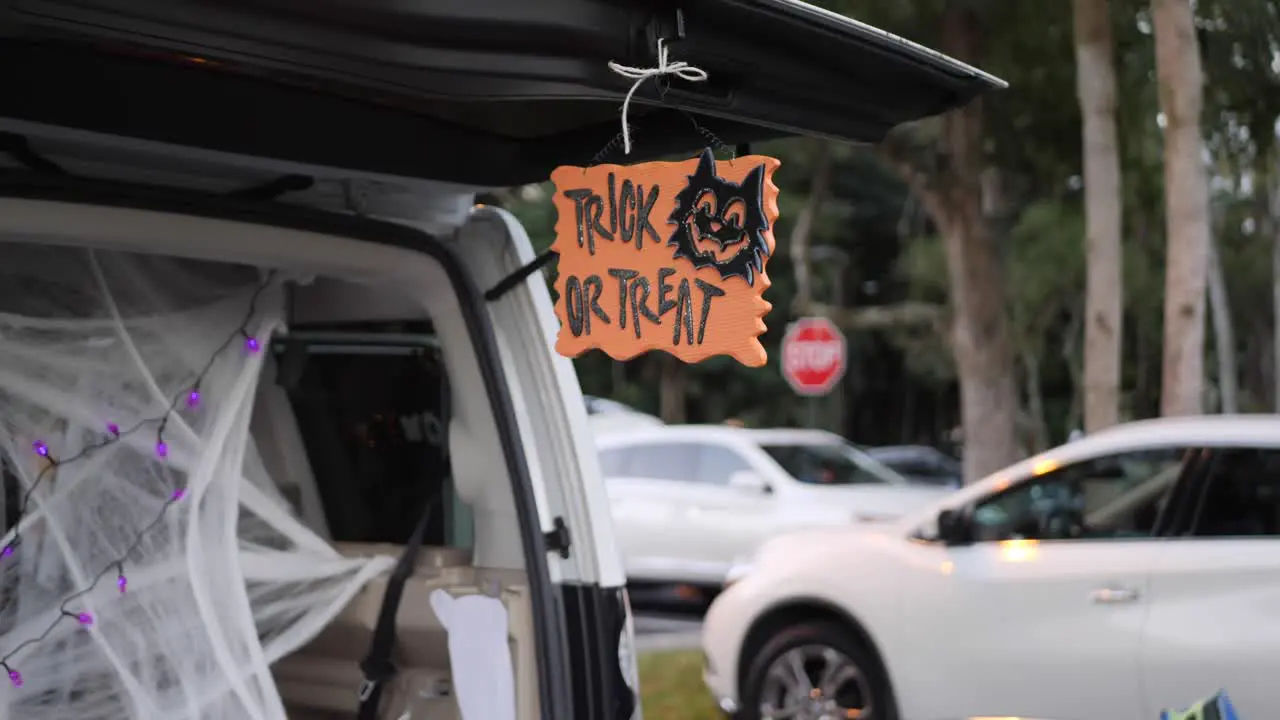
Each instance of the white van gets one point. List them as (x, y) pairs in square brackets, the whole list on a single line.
[(175, 164)]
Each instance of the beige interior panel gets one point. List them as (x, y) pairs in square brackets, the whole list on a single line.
[(320, 681)]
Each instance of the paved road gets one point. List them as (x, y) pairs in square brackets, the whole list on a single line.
[(660, 630), (659, 623)]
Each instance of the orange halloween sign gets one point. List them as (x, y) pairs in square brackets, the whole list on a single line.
[(665, 256)]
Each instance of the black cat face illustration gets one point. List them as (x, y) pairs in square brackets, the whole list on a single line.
[(721, 224)]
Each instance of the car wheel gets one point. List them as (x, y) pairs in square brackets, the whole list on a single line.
[(816, 671)]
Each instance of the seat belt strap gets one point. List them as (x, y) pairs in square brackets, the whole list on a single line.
[(377, 667)]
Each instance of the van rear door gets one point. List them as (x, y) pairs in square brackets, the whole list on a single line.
[(481, 92)]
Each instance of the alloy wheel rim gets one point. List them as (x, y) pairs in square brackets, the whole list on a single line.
[(815, 682)]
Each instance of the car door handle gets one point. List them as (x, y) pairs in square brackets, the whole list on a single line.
[(1114, 595)]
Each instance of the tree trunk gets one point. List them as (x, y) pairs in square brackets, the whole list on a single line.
[(1104, 284), (798, 245), (672, 390), (1070, 338), (1180, 79), (980, 333), (1224, 335), (1270, 223), (1038, 427)]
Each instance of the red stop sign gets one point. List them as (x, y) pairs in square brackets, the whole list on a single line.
[(813, 356)]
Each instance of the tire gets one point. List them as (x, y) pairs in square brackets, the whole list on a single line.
[(817, 643)]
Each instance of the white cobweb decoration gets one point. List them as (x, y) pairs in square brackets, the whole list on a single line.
[(223, 582)]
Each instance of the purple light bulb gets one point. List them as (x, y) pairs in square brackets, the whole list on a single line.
[(193, 398), (15, 677), (251, 344), (122, 583), (85, 619), (114, 429), (161, 449), (41, 449), (178, 494), (8, 550)]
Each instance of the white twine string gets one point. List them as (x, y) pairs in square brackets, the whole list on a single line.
[(680, 69)]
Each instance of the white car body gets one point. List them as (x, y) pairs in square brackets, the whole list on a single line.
[(613, 422), (678, 530), (1072, 629), (604, 415)]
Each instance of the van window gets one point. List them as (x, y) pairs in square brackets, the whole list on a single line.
[(369, 402)]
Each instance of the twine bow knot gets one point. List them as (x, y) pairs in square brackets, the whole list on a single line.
[(679, 68)]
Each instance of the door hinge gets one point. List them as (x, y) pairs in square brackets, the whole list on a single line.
[(558, 540)]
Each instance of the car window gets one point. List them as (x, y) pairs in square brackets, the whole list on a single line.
[(920, 468), (663, 461), (1241, 495), (717, 463), (1115, 496), (925, 473), (830, 464)]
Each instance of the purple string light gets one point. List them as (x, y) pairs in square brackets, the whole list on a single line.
[(193, 398)]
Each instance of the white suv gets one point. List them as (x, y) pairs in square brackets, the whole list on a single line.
[(690, 501), (333, 151), (1133, 570)]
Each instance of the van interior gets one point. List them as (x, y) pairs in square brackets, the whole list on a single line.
[(354, 420), (357, 424)]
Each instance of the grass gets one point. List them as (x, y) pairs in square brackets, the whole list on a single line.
[(671, 687)]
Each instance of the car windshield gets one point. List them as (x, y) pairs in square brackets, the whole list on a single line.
[(831, 464)]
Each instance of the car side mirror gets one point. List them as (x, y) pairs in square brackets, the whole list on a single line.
[(750, 481), (955, 527)]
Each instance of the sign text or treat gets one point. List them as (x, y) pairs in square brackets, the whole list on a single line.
[(665, 256)]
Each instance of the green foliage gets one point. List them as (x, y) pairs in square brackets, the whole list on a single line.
[(1044, 274), (1240, 41), (534, 210), (1033, 141), (1045, 271)]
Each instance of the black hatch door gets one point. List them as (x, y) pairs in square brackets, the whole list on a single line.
[(487, 92)]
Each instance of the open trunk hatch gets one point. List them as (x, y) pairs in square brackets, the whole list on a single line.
[(486, 92)]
